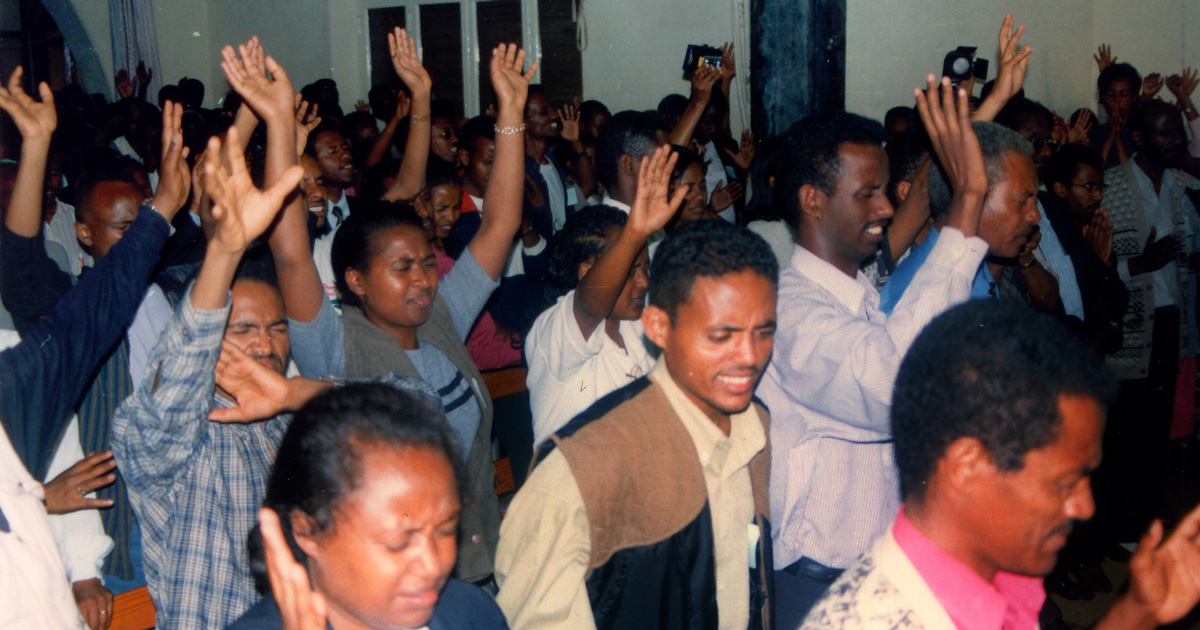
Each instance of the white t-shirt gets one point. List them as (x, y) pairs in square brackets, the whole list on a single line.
[(322, 256), (568, 373), (716, 175)]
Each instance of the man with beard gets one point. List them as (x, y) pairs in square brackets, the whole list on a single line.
[(994, 482), (1151, 239)]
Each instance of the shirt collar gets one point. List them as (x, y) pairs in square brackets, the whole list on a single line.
[(609, 201), (720, 455), (849, 291), (1010, 602)]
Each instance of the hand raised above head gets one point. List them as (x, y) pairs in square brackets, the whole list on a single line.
[(728, 62), (174, 178), (35, 120), (509, 77), (1151, 85), (1014, 61), (703, 80), (652, 209), (270, 97), (744, 156), (240, 211), (406, 63), (1104, 57), (951, 135)]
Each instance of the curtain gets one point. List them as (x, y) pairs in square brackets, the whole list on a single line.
[(135, 39)]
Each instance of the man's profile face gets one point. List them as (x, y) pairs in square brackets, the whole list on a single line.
[(1010, 211), (258, 324), (859, 210), (110, 210), (313, 187), (721, 339), (443, 141), (1164, 139), (477, 161), (1024, 516)]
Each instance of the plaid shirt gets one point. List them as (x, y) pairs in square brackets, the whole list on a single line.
[(196, 485)]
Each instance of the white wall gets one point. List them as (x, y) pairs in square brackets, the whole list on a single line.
[(892, 44), (184, 46)]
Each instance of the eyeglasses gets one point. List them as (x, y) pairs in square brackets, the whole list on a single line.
[(1091, 187), (1045, 143)]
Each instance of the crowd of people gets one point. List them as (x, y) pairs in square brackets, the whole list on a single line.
[(858, 375)]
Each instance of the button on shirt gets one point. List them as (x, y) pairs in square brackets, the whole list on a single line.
[(829, 385), (1010, 602)]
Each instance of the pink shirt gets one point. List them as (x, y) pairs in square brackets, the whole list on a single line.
[(1010, 602)]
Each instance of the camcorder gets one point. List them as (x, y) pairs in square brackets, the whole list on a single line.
[(699, 55), (960, 64)]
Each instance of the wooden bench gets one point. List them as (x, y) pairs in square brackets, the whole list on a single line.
[(133, 610)]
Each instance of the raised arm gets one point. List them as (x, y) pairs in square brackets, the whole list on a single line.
[(651, 210), (408, 67), (1014, 60), (585, 172), (36, 122), (703, 80), (271, 98), (380, 148), (503, 196), (911, 215)]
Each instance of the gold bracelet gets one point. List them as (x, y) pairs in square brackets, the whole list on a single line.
[(417, 119), (509, 130)]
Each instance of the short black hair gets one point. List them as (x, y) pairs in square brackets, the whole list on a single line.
[(1018, 111), (327, 125), (257, 265), (811, 154), (355, 244), (1119, 72), (1062, 167), (627, 133), (92, 180), (474, 129), (672, 106), (1143, 113), (444, 109), (687, 157), (992, 370), (705, 249), (906, 153), (896, 113), (581, 239), (319, 460), (995, 142), (439, 173)]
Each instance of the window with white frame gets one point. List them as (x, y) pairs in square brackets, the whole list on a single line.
[(456, 38)]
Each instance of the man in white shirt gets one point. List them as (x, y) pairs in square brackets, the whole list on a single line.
[(624, 141), (833, 481)]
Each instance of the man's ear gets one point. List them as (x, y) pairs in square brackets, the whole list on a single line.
[(902, 190), (628, 164), (965, 463), (656, 325), (302, 532), (584, 267), (812, 201), (1059, 189), (83, 233)]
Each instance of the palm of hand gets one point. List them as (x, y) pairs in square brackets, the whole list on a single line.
[(33, 119)]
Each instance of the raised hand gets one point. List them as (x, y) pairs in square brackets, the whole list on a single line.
[(1014, 60), (1099, 234), (510, 83), (724, 196), (306, 120), (403, 50), (125, 89), (703, 80), (68, 491), (300, 607), (240, 212), (362, 106), (1165, 576), (143, 74), (1151, 85), (652, 208), (259, 391), (1078, 132), (1060, 130), (270, 97), (569, 116), (957, 150), (1104, 57), (403, 105), (36, 121), (728, 63), (951, 135), (174, 179), (490, 111), (745, 153)]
